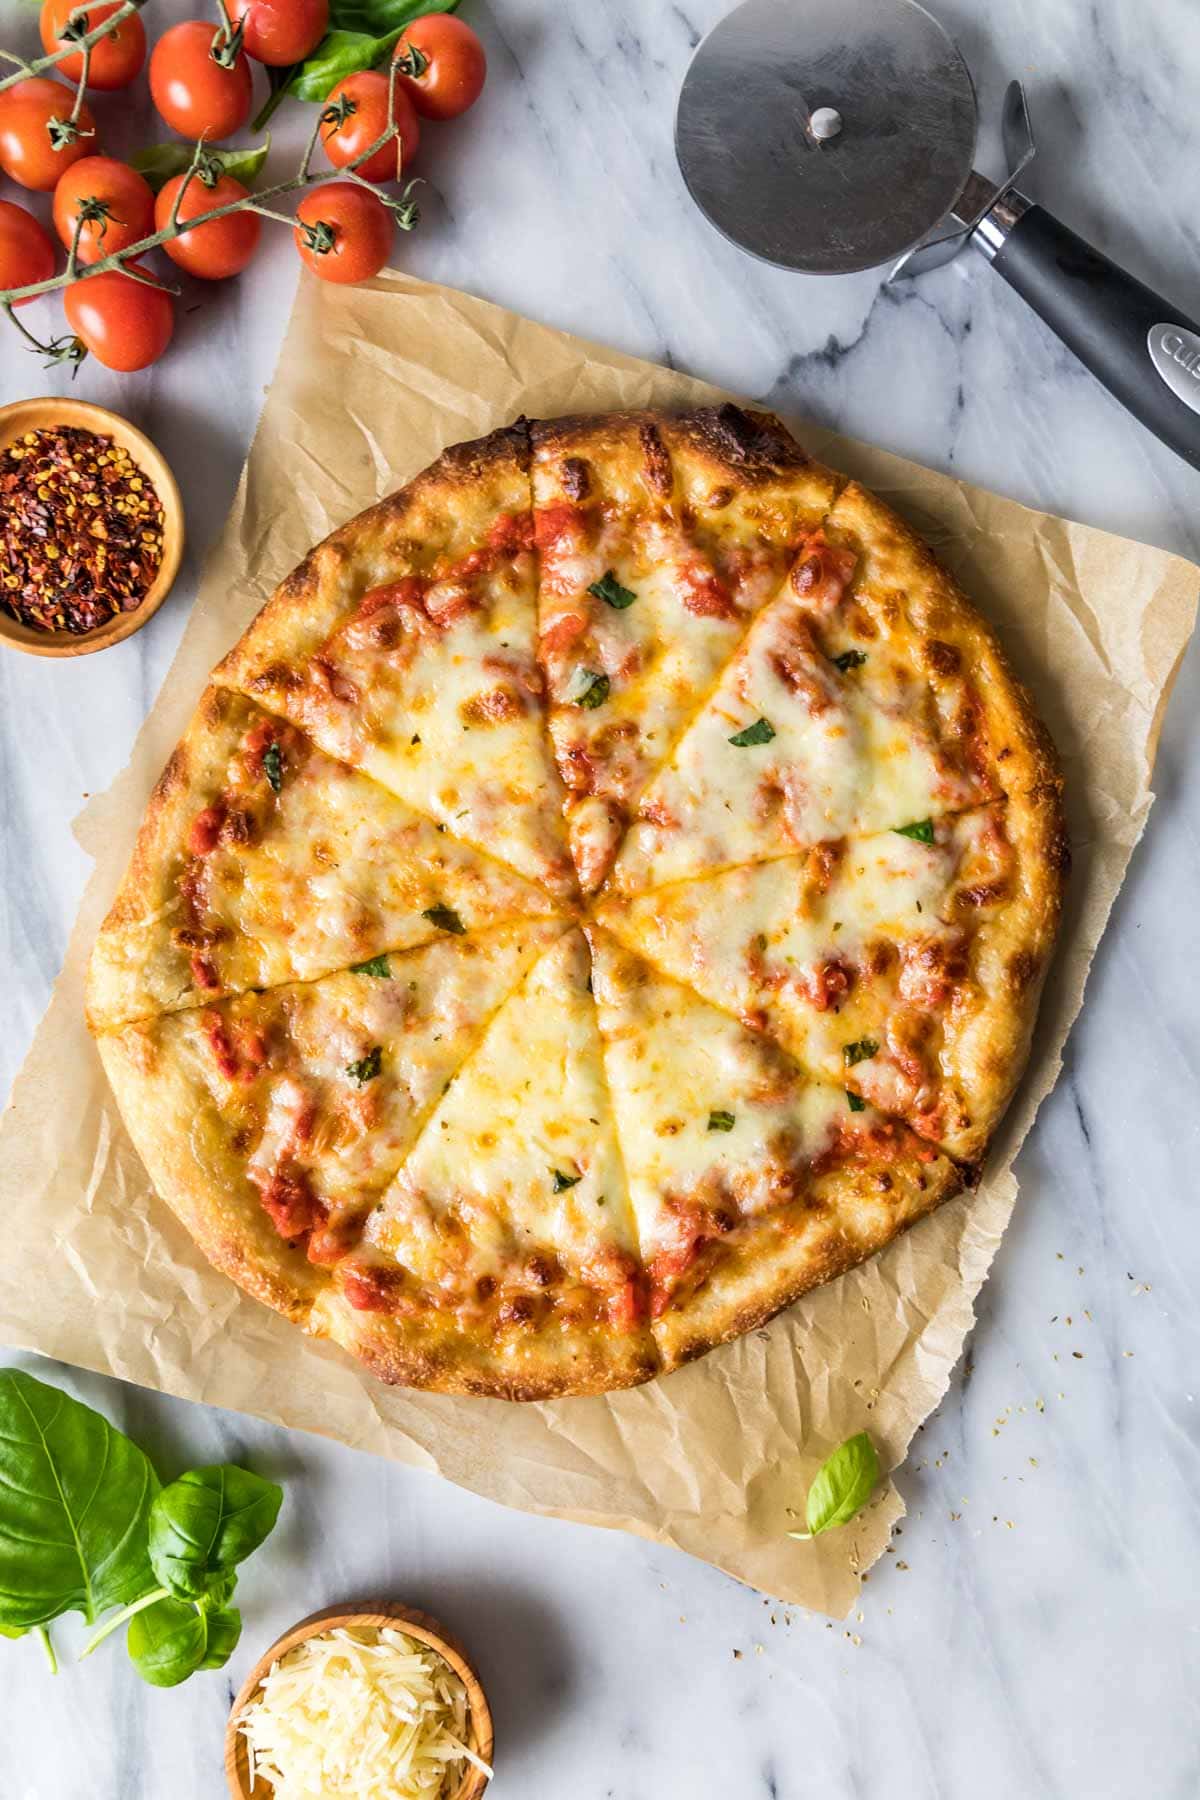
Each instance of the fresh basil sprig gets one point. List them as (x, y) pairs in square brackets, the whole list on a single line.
[(841, 1486), (172, 1640), (159, 163)]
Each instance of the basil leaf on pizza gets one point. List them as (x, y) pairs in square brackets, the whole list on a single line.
[(921, 831), (850, 659), (367, 1067), (378, 966), (609, 589), (862, 1050), (446, 919), (761, 732), (273, 767), (721, 1121)]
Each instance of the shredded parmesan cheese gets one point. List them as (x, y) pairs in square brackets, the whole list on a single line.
[(359, 1715)]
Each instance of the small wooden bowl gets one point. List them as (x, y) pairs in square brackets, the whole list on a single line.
[(414, 1624), (48, 414)]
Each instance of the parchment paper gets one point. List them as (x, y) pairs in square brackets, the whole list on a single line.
[(372, 383)]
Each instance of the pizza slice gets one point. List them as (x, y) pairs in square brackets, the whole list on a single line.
[(261, 860), (503, 1256), (404, 646), (904, 965), (751, 1183), (868, 696), (271, 1122), (658, 540)]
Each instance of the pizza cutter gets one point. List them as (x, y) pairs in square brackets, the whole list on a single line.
[(829, 136)]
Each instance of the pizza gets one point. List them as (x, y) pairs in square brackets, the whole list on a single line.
[(605, 893)]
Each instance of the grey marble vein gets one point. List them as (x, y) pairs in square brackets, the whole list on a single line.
[(1034, 1630)]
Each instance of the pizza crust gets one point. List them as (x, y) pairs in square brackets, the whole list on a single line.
[(723, 472)]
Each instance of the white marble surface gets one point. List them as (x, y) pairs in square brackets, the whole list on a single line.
[(1035, 1631)]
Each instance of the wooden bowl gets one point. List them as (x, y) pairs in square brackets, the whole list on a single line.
[(48, 414), (413, 1624)]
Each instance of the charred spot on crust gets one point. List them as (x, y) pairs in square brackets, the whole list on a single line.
[(659, 474), (756, 444), (941, 658), (576, 478), (1023, 968)]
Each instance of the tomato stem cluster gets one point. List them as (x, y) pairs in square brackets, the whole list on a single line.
[(77, 44), (317, 235)]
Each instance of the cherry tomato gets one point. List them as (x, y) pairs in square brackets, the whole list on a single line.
[(35, 150), (26, 253), (195, 92), (280, 32), (124, 323), (114, 201), (115, 59), (442, 64), (222, 247), (359, 225), (363, 98)]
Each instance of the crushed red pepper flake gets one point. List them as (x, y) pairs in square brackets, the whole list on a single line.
[(81, 530)]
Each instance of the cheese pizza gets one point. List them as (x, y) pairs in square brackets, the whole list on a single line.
[(605, 893)]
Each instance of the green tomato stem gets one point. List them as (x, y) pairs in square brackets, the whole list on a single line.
[(119, 1618), (273, 101)]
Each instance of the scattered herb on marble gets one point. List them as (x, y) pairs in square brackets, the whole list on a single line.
[(86, 1526), (841, 1487), (81, 530)]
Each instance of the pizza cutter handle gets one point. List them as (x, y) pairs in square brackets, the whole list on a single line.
[(1139, 345)]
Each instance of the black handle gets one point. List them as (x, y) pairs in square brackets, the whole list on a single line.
[(1108, 319)]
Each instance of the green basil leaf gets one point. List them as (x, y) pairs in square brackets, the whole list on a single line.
[(721, 1121), (850, 659), (609, 589), (841, 1487), (13, 1631), (446, 919), (855, 1102), (563, 1182), (862, 1050), (922, 831), (383, 15), (591, 689), (273, 767), (376, 965), (761, 732), (75, 1499), (207, 1522), (367, 1067), (160, 163), (174, 1638)]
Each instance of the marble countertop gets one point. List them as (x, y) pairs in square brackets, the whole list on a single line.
[(1034, 1631)]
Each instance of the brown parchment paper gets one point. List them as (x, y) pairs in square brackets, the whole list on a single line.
[(372, 383)]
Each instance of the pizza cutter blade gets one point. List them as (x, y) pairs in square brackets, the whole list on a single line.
[(829, 138)]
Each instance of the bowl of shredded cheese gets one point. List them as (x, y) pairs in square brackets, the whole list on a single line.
[(361, 1705)]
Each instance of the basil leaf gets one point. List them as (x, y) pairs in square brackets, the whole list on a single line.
[(761, 732), (367, 1067), (377, 966), (855, 1102), (594, 689), (609, 589), (446, 919), (922, 831), (721, 1121), (207, 1522), (173, 1639), (850, 659), (273, 767), (159, 163), (841, 1487), (75, 1498), (563, 1182), (383, 15), (862, 1050)]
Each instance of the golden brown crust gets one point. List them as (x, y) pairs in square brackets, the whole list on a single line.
[(908, 585), (782, 1255)]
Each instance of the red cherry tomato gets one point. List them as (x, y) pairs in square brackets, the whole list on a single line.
[(442, 64), (116, 58), (114, 201), (363, 100), (280, 32), (195, 92), (26, 253), (223, 246), (349, 232), (37, 142), (123, 322)]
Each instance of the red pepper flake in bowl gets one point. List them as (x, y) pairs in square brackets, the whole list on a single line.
[(81, 530)]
